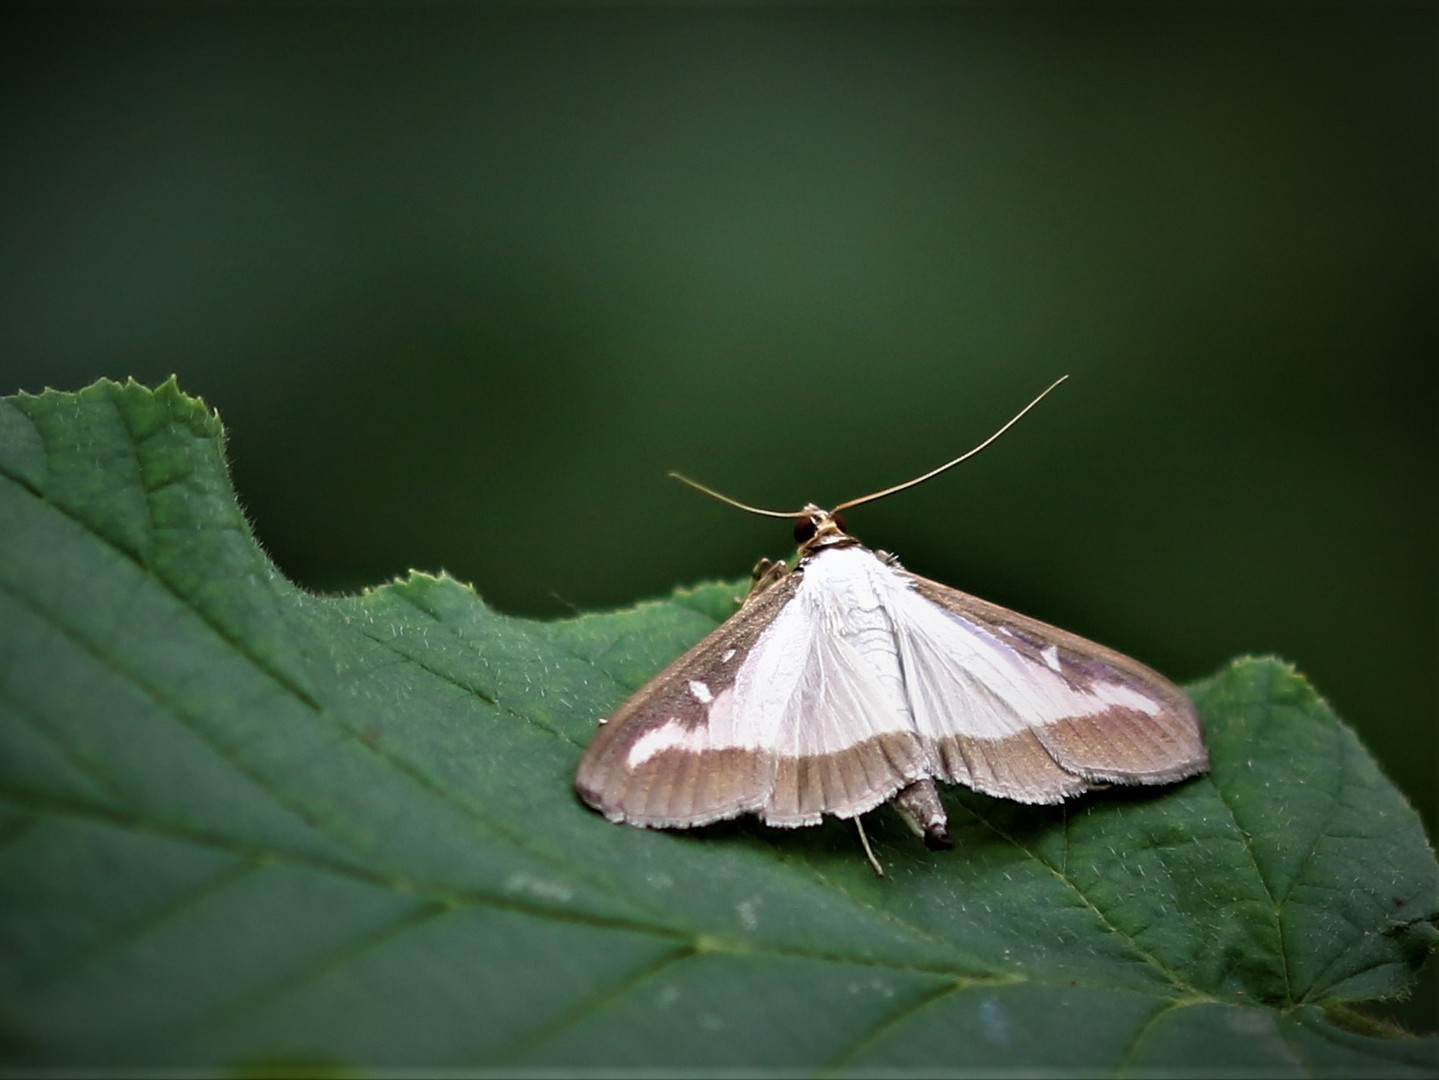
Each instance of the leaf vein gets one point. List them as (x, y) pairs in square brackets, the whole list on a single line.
[(119, 937), (330, 961), (548, 728), (594, 1003), (1247, 842), (1131, 1048), (889, 1023), (67, 750), (1148, 957), (258, 779), (186, 602)]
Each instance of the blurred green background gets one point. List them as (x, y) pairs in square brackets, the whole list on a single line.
[(465, 284)]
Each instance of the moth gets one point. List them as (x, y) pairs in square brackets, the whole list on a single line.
[(847, 681)]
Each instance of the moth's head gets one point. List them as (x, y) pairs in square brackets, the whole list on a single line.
[(816, 528)]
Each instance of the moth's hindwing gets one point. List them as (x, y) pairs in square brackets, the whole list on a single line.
[(667, 757)]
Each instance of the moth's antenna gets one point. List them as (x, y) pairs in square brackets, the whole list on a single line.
[(735, 502), (948, 465)]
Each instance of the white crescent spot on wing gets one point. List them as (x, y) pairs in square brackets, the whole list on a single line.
[(671, 735), (716, 732), (1126, 696)]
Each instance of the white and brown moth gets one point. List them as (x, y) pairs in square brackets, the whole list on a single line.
[(848, 681)]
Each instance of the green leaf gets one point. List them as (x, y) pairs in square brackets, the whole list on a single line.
[(243, 826)]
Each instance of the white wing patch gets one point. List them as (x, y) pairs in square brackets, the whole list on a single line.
[(965, 680)]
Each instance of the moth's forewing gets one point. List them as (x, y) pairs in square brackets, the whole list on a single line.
[(654, 763), (1146, 732)]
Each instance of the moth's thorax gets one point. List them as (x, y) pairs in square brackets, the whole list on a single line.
[(850, 587)]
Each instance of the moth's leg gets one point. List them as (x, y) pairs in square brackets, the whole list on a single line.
[(919, 806), (887, 558), (868, 851), (765, 573)]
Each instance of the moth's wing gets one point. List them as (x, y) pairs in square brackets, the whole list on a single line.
[(672, 756), (1012, 706)]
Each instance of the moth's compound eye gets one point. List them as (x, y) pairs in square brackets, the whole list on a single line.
[(840, 522), (804, 530)]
